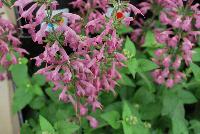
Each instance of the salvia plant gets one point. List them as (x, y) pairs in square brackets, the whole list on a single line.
[(115, 67), (92, 67), (10, 50)]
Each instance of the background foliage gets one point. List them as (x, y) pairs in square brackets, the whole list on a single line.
[(139, 107)]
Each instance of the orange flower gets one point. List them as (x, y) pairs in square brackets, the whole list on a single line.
[(119, 15)]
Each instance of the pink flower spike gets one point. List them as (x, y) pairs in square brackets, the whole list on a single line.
[(187, 24), (40, 34), (120, 57), (22, 3), (40, 15), (173, 41), (72, 18), (127, 20), (93, 121), (170, 83), (166, 61), (83, 110), (134, 9), (160, 52), (177, 63), (63, 95), (29, 12)]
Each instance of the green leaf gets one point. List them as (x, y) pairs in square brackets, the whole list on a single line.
[(37, 90), (150, 40), (22, 97), (125, 80), (112, 118), (146, 65), (178, 120), (37, 102), (8, 57), (53, 95), (123, 29), (20, 74), (8, 3), (195, 126), (106, 98), (124, 70), (131, 121), (146, 81), (63, 127), (196, 55), (147, 96), (125, 115), (186, 97), (130, 48), (132, 66), (114, 106), (170, 101), (25, 129), (38, 79), (196, 71), (150, 111), (23, 60), (46, 125), (64, 111)]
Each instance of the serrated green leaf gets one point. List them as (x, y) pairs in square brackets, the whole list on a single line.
[(179, 124), (150, 40), (147, 96), (132, 66), (38, 79), (125, 80), (124, 70), (186, 97), (63, 127), (65, 112), (37, 90), (196, 55), (53, 95), (22, 97), (112, 118), (26, 129), (130, 47), (134, 126), (170, 101), (46, 125), (37, 102), (23, 61), (146, 81), (196, 71), (20, 75), (123, 29), (150, 111), (146, 65)]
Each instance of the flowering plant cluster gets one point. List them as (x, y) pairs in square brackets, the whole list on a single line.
[(10, 49), (92, 67), (178, 36), (115, 84)]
